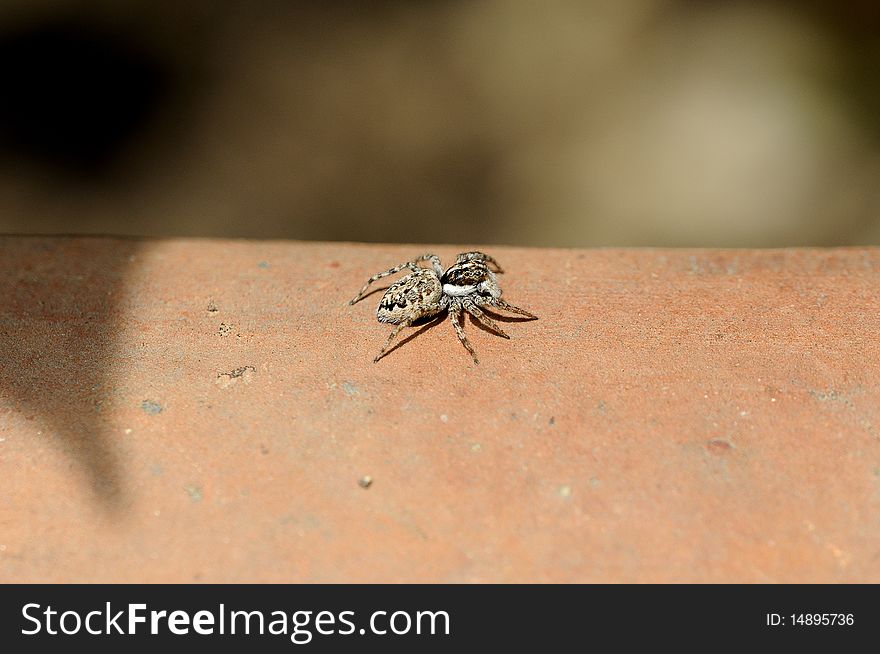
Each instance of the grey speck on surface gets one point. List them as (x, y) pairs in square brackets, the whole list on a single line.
[(263, 265), (365, 482), (195, 493), (151, 408), (349, 388)]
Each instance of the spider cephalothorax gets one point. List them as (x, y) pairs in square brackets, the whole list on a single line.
[(467, 285)]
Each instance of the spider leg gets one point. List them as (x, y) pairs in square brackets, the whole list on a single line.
[(405, 323), (501, 304), (455, 317), (433, 258), (491, 260), (475, 311)]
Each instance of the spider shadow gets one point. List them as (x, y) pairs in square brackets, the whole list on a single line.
[(492, 313), (498, 317), (424, 323), (432, 321)]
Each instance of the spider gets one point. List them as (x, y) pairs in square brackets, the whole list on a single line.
[(466, 285)]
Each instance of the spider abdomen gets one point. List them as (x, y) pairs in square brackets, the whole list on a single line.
[(414, 296)]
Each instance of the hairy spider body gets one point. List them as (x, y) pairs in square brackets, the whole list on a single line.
[(467, 285), (417, 292)]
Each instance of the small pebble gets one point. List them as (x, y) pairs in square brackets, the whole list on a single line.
[(365, 482)]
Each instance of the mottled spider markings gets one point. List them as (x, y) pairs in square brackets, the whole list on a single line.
[(466, 285)]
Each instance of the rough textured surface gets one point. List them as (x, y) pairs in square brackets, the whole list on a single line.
[(209, 411)]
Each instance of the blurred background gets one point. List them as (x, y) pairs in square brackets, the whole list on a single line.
[(559, 123)]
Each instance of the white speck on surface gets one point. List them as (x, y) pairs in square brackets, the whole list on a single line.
[(444, 418), (128, 431), (565, 491)]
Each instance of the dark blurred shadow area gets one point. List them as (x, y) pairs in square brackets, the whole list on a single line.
[(58, 320), (565, 123), (74, 96)]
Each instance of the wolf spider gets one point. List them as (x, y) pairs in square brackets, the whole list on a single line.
[(466, 285)]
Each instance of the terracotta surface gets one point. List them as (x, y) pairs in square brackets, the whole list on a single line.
[(208, 411)]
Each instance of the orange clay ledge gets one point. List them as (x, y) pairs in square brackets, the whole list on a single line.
[(209, 411)]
